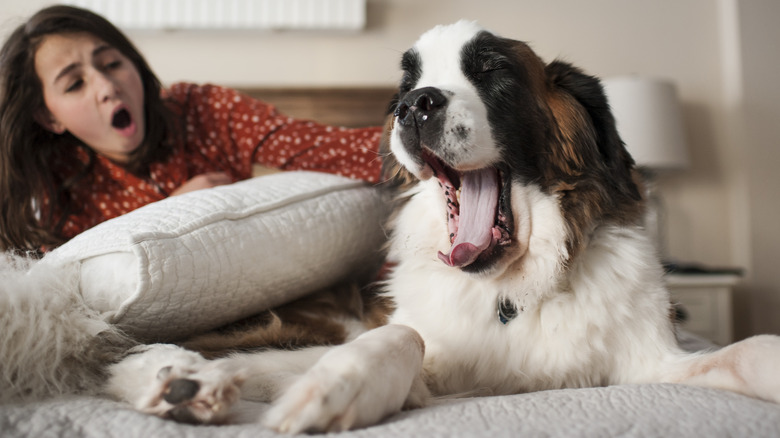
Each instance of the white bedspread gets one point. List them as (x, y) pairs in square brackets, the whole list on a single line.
[(657, 410)]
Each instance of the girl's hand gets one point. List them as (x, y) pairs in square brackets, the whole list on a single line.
[(203, 181)]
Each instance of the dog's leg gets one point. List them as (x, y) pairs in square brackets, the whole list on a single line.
[(267, 374), (171, 382), (750, 367), (355, 384)]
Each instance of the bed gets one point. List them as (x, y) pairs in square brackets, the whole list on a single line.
[(655, 410), (194, 262)]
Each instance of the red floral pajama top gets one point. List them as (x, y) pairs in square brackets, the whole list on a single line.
[(226, 131)]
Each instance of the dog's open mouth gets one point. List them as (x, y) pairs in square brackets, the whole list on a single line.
[(477, 215)]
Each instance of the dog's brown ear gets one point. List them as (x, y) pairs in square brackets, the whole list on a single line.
[(589, 93)]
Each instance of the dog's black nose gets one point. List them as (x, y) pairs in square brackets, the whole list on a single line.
[(419, 105)]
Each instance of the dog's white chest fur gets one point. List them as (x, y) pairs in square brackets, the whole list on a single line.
[(569, 323)]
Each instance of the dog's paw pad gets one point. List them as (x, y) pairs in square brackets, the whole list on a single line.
[(180, 391), (202, 396)]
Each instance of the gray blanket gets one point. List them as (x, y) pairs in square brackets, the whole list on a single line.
[(655, 410)]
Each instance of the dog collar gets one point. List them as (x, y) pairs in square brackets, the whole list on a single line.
[(507, 310)]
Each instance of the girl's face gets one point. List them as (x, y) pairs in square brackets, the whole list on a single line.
[(92, 91)]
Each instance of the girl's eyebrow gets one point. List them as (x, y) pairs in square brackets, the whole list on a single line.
[(64, 72)]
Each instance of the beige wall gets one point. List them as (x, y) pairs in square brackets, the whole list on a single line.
[(721, 210), (760, 147)]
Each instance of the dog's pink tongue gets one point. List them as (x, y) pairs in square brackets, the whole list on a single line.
[(478, 202)]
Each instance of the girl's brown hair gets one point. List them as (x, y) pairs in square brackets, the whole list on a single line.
[(34, 200)]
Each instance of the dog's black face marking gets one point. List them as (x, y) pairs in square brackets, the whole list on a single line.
[(508, 86), (411, 65)]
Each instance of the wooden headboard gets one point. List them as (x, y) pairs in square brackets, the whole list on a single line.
[(350, 107)]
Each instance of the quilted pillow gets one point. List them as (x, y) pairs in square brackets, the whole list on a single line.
[(193, 262)]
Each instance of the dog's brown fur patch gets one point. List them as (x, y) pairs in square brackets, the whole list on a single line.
[(587, 166), (320, 318)]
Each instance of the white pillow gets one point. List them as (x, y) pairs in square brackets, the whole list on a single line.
[(191, 263)]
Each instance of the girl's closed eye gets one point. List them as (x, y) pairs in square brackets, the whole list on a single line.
[(75, 85)]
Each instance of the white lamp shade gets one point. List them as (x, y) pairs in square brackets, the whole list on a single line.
[(649, 120)]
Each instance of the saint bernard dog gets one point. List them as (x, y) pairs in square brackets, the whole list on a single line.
[(517, 262)]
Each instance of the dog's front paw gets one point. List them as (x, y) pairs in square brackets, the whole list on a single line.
[(353, 385), (170, 382), (317, 402), (198, 396)]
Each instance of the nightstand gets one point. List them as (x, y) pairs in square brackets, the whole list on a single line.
[(706, 300)]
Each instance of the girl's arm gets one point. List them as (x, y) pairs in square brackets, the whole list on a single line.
[(239, 131)]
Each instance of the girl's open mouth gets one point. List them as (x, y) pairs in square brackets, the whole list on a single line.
[(122, 121)]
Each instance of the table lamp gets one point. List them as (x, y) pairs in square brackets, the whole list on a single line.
[(649, 120)]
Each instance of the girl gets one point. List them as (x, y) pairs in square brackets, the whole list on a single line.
[(87, 134)]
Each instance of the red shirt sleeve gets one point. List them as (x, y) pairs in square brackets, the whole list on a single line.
[(232, 131)]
